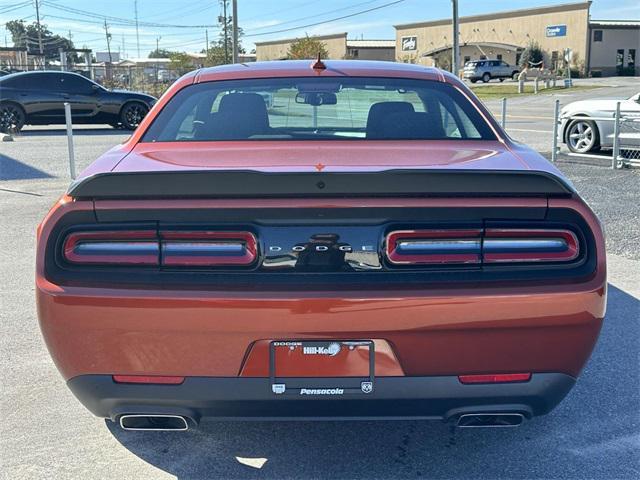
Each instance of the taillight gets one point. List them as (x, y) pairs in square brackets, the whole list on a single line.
[(204, 248), (112, 247), (422, 247), (148, 379), (164, 248), (529, 245), (481, 246)]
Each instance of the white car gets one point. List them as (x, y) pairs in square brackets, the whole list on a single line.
[(583, 135)]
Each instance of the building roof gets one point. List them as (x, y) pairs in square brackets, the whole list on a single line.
[(615, 23), (505, 46), (371, 43), (315, 37), (504, 14)]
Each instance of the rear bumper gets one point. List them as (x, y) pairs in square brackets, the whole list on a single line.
[(434, 397)]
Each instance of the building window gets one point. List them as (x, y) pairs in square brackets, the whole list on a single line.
[(483, 57), (467, 59), (597, 35), (631, 59), (499, 56), (354, 53), (554, 60), (620, 58)]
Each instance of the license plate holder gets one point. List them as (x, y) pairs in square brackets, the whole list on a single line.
[(321, 351)]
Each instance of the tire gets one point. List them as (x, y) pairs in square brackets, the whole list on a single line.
[(514, 75), (132, 114), (582, 136), (501, 80), (486, 77), (12, 117), (473, 80)]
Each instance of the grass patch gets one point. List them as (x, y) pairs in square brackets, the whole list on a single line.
[(493, 92)]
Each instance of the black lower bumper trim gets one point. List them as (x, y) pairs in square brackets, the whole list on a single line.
[(440, 397)]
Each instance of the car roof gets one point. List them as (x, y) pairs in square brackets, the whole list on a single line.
[(38, 72), (303, 68)]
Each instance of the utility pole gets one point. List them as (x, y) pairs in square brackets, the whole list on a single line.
[(158, 45), (123, 50), (108, 35), (455, 47), (39, 27), (234, 14), (226, 33), (135, 6), (206, 39)]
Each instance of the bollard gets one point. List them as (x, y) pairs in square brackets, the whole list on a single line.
[(72, 159), (535, 85), (556, 114), (520, 85), (503, 122), (616, 137)]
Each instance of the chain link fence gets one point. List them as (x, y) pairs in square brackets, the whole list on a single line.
[(615, 138), (152, 78)]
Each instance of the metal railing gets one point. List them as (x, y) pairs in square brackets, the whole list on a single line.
[(621, 147)]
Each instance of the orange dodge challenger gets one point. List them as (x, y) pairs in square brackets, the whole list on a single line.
[(339, 239)]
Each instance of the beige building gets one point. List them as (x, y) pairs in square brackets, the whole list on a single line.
[(614, 47), (337, 46), (501, 35)]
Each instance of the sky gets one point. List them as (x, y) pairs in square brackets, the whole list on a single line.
[(257, 17)]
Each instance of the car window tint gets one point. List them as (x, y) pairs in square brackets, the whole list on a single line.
[(318, 109), (75, 84)]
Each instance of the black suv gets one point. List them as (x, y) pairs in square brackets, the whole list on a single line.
[(37, 98)]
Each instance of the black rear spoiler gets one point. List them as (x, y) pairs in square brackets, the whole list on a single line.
[(251, 183)]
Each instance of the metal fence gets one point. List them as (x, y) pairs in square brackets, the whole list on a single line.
[(616, 137), (152, 78)]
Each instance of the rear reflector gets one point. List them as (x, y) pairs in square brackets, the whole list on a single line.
[(495, 378), (148, 379), (208, 248), (422, 247), (112, 247)]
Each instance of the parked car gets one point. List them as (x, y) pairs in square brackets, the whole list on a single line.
[(591, 131), (375, 245), (486, 70), (37, 98)]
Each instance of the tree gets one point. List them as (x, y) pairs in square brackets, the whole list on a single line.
[(306, 49), (532, 56), (181, 62), (221, 50), (26, 36), (161, 53)]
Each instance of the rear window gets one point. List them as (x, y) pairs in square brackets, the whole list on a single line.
[(318, 109)]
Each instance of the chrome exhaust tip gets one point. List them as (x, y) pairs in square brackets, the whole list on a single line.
[(489, 420), (162, 423)]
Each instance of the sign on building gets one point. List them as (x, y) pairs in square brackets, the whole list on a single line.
[(556, 31), (409, 43)]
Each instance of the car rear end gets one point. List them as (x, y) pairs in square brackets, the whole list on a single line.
[(320, 279), (473, 70)]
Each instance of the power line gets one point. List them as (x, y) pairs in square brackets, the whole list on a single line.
[(326, 21)]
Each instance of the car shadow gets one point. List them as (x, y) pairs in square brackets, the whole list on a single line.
[(591, 434), (12, 169)]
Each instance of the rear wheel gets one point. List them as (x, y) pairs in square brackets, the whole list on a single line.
[(473, 80), (501, 80), (486, 77), (514, 75), (132, 114), (12, 117), (582, 136)]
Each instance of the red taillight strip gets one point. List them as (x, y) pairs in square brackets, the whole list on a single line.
[(137, 247), (495, 378), (422, 247), (529, 245), (148, 379), (207, 248)]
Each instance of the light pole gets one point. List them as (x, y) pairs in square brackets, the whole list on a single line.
[(455, 48)]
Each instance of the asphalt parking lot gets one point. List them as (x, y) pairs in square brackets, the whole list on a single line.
[(46, 433)]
